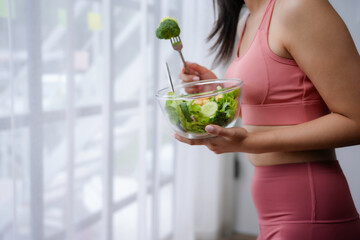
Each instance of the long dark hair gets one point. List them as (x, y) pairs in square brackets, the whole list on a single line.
[(224, 30)]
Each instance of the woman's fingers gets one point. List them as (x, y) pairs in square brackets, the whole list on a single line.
[(215, 144), (192, 90), (196, 68), (188, 77), (190, 141), (185, 78), (192, 71), (222, 140), (196, 72), (220, 131), (231, 133)]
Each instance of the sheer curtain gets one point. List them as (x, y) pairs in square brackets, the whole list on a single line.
[(84, 153), (205, 180)]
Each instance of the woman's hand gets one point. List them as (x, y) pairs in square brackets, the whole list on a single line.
[(196, 72), (224, 140)]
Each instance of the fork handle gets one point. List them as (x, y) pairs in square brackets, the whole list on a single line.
[(183, 60)]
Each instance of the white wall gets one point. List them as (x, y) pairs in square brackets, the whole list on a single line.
[(246, 219)]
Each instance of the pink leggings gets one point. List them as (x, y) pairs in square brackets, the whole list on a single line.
[(304, 201)]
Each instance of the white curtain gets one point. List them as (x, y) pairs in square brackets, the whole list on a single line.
[(205, 181), (84, 153)]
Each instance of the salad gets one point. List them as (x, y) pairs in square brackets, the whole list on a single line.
[(194, 115)]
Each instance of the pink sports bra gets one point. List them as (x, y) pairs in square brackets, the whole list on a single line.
[(275, 91)]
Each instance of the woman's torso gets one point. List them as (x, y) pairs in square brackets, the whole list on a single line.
[(275, 45), (276, 158)]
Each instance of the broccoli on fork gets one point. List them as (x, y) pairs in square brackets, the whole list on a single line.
[(168, 28)]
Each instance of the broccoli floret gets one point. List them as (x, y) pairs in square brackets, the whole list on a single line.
[(168, 28)]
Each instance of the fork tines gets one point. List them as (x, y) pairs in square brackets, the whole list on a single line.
[(175, 40)]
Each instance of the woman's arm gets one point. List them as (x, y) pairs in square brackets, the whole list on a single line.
[(322, 46), (319, 41)]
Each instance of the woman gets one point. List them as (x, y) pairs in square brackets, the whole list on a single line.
[(301, 74)]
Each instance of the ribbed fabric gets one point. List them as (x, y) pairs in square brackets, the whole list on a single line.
[(275, 91)]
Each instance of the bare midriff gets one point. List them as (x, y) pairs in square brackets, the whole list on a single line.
[(276, 158)]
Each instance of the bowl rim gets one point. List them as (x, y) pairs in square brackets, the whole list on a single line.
[(197, 95)]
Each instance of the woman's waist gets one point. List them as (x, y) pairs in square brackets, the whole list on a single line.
[(277, 158)]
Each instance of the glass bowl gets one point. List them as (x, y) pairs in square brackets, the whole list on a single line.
[(196, 104)]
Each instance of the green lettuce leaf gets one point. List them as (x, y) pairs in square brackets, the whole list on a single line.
[(188, 116)]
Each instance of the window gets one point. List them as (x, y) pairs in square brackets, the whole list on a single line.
[(83, 153)]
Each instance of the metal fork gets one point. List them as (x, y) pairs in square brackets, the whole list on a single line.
[(177, 45)]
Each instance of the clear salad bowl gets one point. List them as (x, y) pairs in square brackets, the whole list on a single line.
[(197, 104)]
